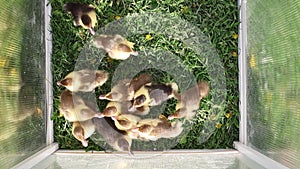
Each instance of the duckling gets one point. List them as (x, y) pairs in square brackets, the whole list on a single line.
[(84, 80), (84, 15), (153, 129), (154, 94), (73, 108), (113, 109), (116, 46), (117, 108), (126, 121), (119, 92), (138, 82), (124, 89), (117, 139), (83, 130), (188, 101)]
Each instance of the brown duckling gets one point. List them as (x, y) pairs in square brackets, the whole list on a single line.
[(154, 94), (126, 121), (119, 92), (137, 82), (83, 130), (117, 108), (84, 15), (153, 129), (73, 108), (188, 101), (117, 139), (116, 46), (84, 80)]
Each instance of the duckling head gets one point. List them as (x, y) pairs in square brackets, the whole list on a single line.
[(78, 133), (110, 111), (65, 82), (139, 101), (203, 88)]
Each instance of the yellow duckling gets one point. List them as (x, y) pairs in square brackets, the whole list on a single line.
[(153, 129), (73, 108), (84, 80), (116, 46), (126, 121), (83, 130), (119, 92)]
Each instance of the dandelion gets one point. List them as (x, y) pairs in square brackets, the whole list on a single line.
[(148, 37), (184, 9), (218, 125), (117, 17), (109, 59), (252, 61), (234, 54), (2, 62), (235, 36), (268, 97), (212, 117), (228, 115), (13, 72), (39, 111)]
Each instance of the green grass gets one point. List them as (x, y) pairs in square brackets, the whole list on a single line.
[(217, 22)]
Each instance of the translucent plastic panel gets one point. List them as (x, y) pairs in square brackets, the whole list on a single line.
[(274, 79), (192, 160), (22, 80)]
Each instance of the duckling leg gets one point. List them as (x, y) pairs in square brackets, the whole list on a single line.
[(130, 153)]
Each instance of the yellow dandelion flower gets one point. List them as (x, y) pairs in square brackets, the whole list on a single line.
[(13, 72), (39, 111), (235, 36), (117, 17), (109, 59), (212, 117), (234, 54), (218, 125), (148, 37), (252, 61), (228, 115), (184, 9), (268, 97), (2, 62)]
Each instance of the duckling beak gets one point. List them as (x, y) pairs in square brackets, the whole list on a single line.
[(132, 108), (114, 118), (84, 143), (135, 53), (102, 97), (171, 117), (135, 129), (99, 115), (58, 83)]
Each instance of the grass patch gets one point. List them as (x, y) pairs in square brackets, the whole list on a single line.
[(217, 118)]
